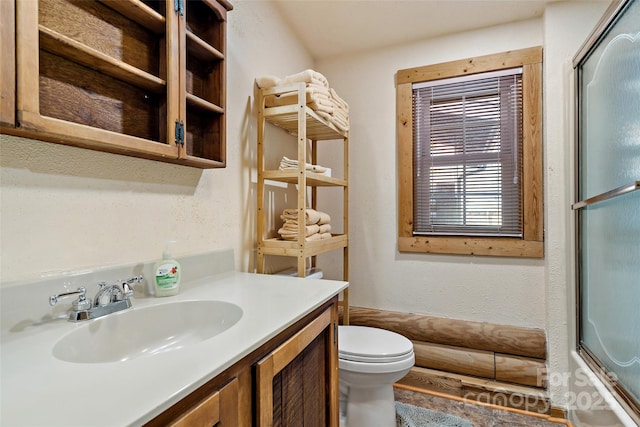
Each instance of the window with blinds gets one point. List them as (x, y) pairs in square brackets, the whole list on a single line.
[(467, 142)]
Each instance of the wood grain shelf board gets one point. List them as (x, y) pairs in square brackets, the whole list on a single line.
[(140, 13), (318, 129), (313, 179), (290, 248), (201, 49), (66, 47), (202, 104)]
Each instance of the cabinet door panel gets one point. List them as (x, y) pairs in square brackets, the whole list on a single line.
[(297, 382), (89, 76), (204, 82), (219, 409)]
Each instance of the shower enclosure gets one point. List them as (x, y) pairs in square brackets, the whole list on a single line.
[(608, 206)]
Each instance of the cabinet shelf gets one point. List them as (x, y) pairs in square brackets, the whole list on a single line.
[(311, 248), (140, 13), (317, 128), (61, 45), (313, 179), (202, 104), (201, 49)]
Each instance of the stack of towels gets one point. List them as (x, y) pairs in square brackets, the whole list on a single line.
[(319, 96), (316, 225), (287, 164)]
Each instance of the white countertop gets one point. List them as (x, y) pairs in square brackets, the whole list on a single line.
[(40, 390)]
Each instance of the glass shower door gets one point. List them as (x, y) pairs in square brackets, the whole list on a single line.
[(608, 213)]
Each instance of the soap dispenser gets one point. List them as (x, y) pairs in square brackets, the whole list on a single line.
[(167, 274)]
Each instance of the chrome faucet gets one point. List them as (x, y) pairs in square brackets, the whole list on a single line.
[(109, 299)]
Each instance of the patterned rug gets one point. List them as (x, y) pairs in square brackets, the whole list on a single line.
[(413, 416)]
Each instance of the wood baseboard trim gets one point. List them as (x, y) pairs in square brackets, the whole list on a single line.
[(549, 418), (531, 399)]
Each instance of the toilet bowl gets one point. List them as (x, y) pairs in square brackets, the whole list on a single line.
[(370, 360)]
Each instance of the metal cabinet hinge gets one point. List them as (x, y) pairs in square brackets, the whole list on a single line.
[(179, 133), (178, 7)]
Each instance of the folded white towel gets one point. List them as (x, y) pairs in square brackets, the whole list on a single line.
[(266, 82), (306, 76), (289, 164), (291, 229), (324, 218), (324, 228), (339, 101), (311, 215)]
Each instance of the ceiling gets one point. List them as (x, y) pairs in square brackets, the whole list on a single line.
[(336, 27)]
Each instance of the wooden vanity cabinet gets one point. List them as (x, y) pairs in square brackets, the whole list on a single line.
[(296, 384), (219, 408), (137, 77), (290, 381)]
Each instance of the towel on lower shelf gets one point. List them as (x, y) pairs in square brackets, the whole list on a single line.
[(291, 164), (311, 216), (316, 225), (290, 228), (313, 237), (324, 228)]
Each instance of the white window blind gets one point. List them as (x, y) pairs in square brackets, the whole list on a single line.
[(467, 146)]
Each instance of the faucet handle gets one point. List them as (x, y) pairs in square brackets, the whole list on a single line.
[(127, 285), (81, 303)]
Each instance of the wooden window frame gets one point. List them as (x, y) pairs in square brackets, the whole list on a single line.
[(531, 245)]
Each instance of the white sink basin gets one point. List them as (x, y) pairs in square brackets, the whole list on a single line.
[(142, 332)]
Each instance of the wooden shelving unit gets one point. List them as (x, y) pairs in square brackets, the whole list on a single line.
[(310, 130), (136, 77)]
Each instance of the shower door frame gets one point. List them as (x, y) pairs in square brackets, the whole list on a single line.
[(606, 23)]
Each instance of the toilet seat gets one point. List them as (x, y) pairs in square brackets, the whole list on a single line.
[(372, 345)]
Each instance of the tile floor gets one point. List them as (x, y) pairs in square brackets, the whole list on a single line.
[(480, 416)]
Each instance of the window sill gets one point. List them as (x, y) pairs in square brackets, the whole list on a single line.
[(504, 247)]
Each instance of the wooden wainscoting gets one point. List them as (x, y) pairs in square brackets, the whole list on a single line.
[(498, 364)]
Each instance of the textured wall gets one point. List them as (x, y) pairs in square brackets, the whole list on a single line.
[(66, 208), (566, 26), (498, 290)]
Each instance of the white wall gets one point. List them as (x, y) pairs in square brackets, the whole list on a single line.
[(66, 208), (499, 290), (532, 293), (566, 26)]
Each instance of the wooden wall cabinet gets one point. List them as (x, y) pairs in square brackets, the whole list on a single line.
[(137, 77), (300, 120), (291, 380)]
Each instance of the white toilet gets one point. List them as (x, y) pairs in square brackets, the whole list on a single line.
[(370, 360)]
